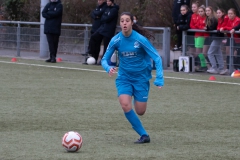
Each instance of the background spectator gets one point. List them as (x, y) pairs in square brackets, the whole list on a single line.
[(200, 61), (136, 21), (233, 21), (176, 12), (96, 16), (182, 24), (106, 31), (215, 55), (52, 13)]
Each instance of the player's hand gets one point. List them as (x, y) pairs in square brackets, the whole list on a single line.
[(159, 87), (112, 71)]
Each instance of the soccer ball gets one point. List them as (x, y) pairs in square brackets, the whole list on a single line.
[(72, 141), (91, 60)]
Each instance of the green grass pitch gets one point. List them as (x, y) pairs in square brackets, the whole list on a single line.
[(186, 119)]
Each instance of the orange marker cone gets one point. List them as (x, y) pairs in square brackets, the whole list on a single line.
[(212, 78), (14, 60), (59, 59), (236, 74)]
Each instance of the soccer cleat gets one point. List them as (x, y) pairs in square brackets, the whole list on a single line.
[(143, 139)]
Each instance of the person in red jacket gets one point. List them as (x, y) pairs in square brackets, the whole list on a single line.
[(193, 22), (233, 22), (200, 60), (237, 45)]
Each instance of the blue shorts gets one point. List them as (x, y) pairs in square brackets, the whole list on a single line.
[(139, 90)]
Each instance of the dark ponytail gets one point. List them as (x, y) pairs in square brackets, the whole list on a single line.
[(138, 28)]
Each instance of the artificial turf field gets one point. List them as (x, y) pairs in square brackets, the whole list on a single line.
[(188, 119)]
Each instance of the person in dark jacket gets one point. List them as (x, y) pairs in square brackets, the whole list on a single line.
[(175, 14), (183, 23), (106, 31), (52, 13), (96, 16), (176, 8)]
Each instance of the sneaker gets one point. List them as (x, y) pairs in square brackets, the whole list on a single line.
[(143, 139), (48, 60), (53, 60), (175, 48), (212, 70), (224, 71)]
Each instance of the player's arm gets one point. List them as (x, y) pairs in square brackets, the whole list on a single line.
[(107, 56), (152, 52)]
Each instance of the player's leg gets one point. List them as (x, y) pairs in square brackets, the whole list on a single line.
[(140, 107), (125, 91), (141, 91)]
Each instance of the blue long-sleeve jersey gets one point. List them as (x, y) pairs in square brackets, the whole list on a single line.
[(134, 53)]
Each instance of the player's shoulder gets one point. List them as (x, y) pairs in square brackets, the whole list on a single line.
[(140, 38), (117, 37), (137, 35)]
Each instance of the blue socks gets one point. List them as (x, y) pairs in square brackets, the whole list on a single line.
[(135, 122)]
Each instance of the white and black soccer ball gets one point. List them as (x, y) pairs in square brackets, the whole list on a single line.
[(72, 141)]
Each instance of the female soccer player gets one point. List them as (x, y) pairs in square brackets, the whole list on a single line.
[(135, 53)]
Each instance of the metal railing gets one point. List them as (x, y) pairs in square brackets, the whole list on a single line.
[(232, 46), (21, 36)]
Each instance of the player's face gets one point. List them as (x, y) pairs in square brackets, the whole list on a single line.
[(231, 15), (126, 23), (194, 8), (208, 11), (183, 10), (201, 12), (219, 14), (100, 2)]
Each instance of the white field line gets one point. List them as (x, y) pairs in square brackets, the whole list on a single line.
[(91, 70)]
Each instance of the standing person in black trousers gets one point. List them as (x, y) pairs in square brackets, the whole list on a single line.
[(52, 13), (96, 16), (183, 23), (175, 14), (106, 31)]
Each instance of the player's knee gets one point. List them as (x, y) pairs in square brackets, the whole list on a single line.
[(126, 107)]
